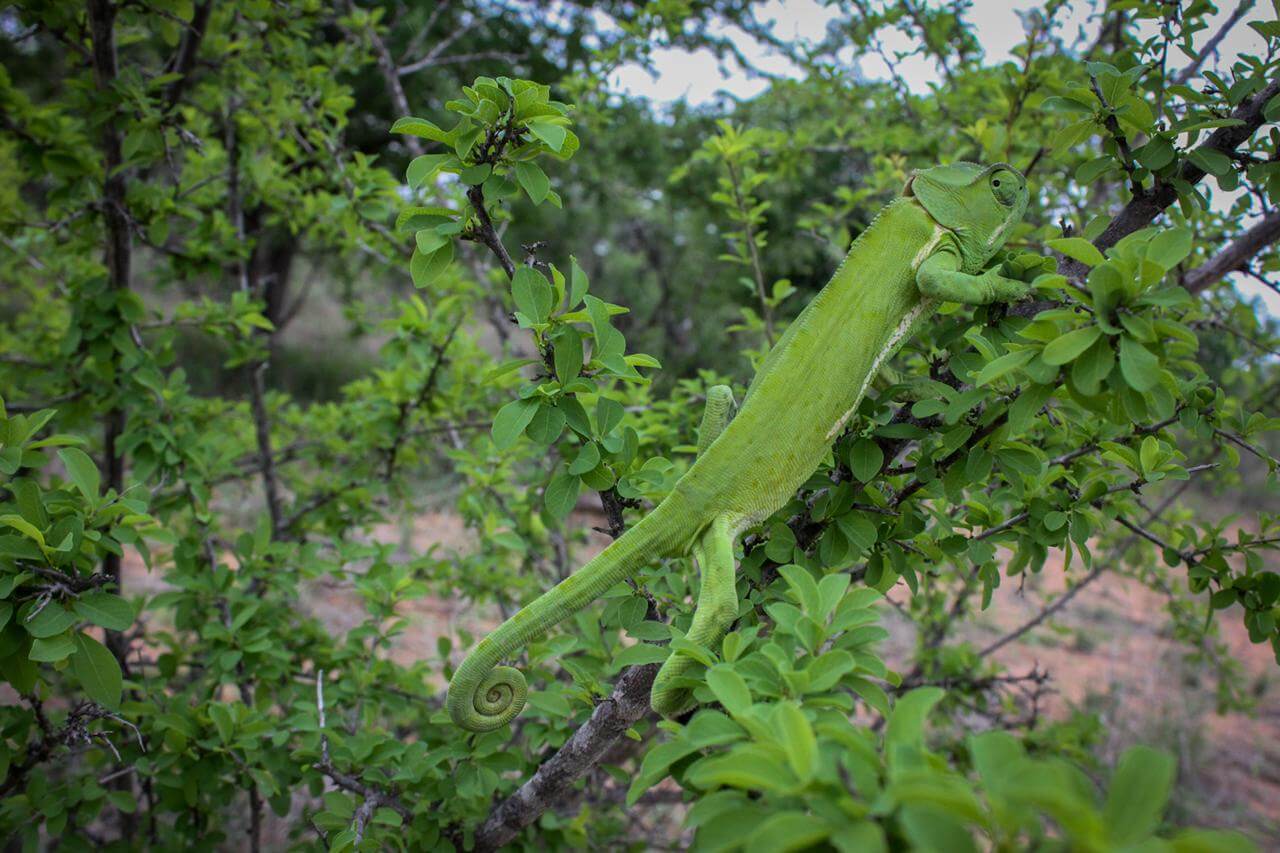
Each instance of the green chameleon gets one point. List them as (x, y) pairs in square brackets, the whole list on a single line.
[(928, 246)]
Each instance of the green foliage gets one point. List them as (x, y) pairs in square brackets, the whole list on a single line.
[(169, 542)]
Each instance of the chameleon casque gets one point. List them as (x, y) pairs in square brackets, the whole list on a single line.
[(928, 246)]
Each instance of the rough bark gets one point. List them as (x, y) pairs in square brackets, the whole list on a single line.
[(1235, 255), (628, 702)]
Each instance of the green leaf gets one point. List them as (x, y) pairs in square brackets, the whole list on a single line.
[(797, 738), (533, 179), (657, 763), (1211, 160), (1139, 791), (1079, 249), (1093, 367), (587, 459), (511, 420), (638, 655), (1149, 453), (906, 722), (741, 769), (550, 702), (1169, 247), (568, 354), (82, 470), (1140, 368), (729, 688), (428, 240), (561, 494), (804, 587), (577, 283), (419, 127), (787, 831), (102, 608), (546, 424), (600, 326), (423, 167), (97, 671), (223, 720), (532, 293), (552, 134), (477, 174), (25, 527), (575, 416), (996, 368), (608, 415), (464, 139), (52, 649), (52, 619), (508, 366), (865, 459), (1065, 348), (427, 268)]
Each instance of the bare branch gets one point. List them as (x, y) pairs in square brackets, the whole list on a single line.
[(255, 372), (1212, 44), (431, 61), (485, 233), (28, 408), (117, 255), (372, 793), (387, 67)]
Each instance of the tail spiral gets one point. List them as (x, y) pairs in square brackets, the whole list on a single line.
[(493, 703), (484, 695)]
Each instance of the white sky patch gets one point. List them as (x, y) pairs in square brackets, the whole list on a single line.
[(699, 78)]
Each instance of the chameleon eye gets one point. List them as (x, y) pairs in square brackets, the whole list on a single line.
[(1005, 189)]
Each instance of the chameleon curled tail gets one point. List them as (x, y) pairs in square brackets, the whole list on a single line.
[(483, 695)]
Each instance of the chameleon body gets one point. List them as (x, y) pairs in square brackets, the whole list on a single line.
[(928, 246)]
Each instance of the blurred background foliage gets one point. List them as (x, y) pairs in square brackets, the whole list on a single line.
[(256, 502)]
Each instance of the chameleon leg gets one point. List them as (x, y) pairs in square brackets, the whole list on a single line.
[(939, 277), (716, 609), (716, 415)]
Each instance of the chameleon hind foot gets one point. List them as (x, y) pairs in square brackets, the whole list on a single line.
[(715, 612)]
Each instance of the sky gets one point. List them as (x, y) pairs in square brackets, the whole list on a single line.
[(698, 77)]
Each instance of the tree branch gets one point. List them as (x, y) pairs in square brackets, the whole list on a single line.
[(1212, 44), (1099, 567), (628, 702), (255, 372), (188, 49), (485, 233), (387, 67), (1144, 207), (373, 795), (117, 257), (1235, 255)]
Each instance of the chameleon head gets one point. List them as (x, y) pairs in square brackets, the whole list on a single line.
[(980, 205)]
